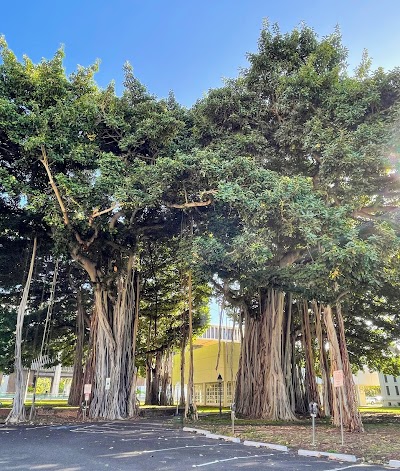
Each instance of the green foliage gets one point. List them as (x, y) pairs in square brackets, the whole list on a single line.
[(286, 177), (371, 391)]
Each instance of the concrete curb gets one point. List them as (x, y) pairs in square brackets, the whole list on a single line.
[(196, 430), (331, 456), (317, 454), (272, 446), (223, 437), (394, 463)]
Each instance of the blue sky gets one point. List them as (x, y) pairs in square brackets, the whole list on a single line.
[(188, 46)]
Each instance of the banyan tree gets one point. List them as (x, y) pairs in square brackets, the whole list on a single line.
[(285, 175)]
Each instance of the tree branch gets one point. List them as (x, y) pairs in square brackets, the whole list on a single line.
[(190, 205), (86, 263), (368, 212), (194, 204), (115, 218), (46, 165), (96, 213), (290, 258), (89, 242)]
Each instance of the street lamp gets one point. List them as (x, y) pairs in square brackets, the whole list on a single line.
[(219, 379)]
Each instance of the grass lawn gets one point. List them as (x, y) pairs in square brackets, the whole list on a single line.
[(379, 410), (38, 403)]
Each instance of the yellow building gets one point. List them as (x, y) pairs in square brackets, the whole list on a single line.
[(214, 353)]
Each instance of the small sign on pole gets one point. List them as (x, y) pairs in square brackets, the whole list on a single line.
[(108, 383), (338, 378), (338, 383), (87, 390)]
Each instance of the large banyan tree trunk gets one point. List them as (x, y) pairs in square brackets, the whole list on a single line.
[(340, 361), (327, 394), (190, 405), (165, 380), (17, 413), (261, 390), (307, 341), (153, 374), (182, 399), (75, 393), (114, 347)]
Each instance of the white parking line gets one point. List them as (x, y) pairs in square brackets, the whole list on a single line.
[(118, 431), (348, 467), (131, 454), (227, 459), (162, 438)]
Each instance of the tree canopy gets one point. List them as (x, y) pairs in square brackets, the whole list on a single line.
[(278, 189)]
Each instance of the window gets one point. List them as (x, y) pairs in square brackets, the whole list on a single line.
[(397, 390), (388, 390), (385, 376), (395, 379), (198, 394), (230, 390), (212, 393)]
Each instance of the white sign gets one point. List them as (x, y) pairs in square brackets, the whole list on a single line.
[(87, 389), (87, 397), (338, 378), (108, 383)]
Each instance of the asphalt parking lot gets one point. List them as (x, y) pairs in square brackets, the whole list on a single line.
[(142, 445)]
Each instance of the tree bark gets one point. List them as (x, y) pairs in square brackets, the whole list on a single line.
[(75, 393), (182, 400), (17, 413), (261, 388), (113, 355), (165, 380), (311, 380), (133, 404), (190, 406), (149, 376), (323, 363), (350, 398), (340, 361)]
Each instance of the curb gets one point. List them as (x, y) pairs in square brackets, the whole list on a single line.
[(266, 445), (331, 456), (312, 453), (394, 463), (196, 430), (223, 437)]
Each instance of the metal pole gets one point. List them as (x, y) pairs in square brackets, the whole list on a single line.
[(341, 412), (220, 399), (313, 430)]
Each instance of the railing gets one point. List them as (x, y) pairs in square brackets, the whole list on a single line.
[(215, 332), (39, 397)]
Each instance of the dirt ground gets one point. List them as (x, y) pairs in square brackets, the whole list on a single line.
[(378, 444)]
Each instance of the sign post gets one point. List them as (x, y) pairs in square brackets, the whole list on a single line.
[(233, 410), (87, 390), (313, 407), (219, 379), (338, 383)]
